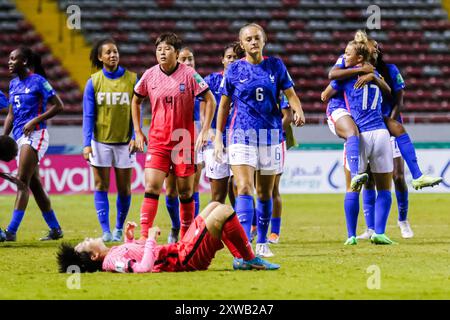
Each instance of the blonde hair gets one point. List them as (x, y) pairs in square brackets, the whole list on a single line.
[(361, 36), (255, 25), (361, 49)]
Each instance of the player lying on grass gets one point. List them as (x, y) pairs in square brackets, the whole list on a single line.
[(217, 223)]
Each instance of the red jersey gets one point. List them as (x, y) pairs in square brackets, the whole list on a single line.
[(172, 103)]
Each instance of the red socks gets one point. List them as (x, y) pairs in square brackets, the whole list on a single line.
[(149, 209), (234, 237), (187, 210)]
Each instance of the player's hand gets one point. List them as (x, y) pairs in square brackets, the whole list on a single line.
[(201, 140), (140, 141), (153, 233), (218, 149), (29, 127), (367, 68), (363, 80), (129, 230), (87, 151), (20, 185), (323, 97), (132, 147), (299, 118)]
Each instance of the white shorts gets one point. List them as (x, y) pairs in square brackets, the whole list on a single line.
[(334, 117), (38, 140), (200, 157), (214, 169), (395, 150), (375, 149), (264, 158), (111, 155), (283, 157)]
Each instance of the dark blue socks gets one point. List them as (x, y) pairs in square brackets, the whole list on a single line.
[(352, 154), (409, 154), (173, 207), (51, 220), (382, 209), (263, 215), (351, 207), (123, 206), (196, 197), (244, 211), (369, 198), (102, 207), (16, 220), (402, 205)]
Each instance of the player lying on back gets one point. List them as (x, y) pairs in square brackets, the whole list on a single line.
[(217, 223)]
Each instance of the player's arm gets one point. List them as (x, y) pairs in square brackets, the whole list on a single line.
[(337, 73), (222, 115), (8, 125), (148, 260), (88, 118), (288, 117), (141, 140), (398, 106), (20, 185), (210, 107), (294, 102), (56, 106), (328, 93)]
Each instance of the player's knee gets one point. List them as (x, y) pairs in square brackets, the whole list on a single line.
[(185, 195), (171, 192), (245, 189), (101, 186)]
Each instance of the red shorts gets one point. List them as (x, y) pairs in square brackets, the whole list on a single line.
[(197, 248), (181, 163)]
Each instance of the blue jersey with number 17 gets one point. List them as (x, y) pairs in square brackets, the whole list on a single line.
[(364, 104), (255, 93), (28, 98)]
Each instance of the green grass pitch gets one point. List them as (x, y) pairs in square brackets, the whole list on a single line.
[(314, 262)]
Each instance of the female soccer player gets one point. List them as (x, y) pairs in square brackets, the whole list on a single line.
[(219, 172), (365, 108), (29, 94), (108, 132), (171, 87), (253, 84), (195, 251), (186, 56)]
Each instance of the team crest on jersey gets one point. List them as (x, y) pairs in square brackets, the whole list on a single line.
[(198, 78), (182, 87), (272, 78)]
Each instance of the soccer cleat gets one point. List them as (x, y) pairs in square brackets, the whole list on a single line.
[(53, 234), (238, 264), (173, 235), (2, 235), (263, 250), (425, 181), (351, 241), (274, 238), (358, 181), (259, 264), (117, 235), (253, 233), (366, 235), (405, 229), (381, 239), (107, 237), (9, 236)]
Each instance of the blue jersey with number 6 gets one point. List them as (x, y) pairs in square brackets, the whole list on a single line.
[(28, 98), (364, 104), (255, 93)]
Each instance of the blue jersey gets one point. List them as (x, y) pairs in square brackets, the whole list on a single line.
[(397, 84), (337, 101), (255, 93), (214, 80), (197, 109), (364, 104), (3, 101), (28, 98)]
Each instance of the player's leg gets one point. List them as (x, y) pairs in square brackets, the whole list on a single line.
[(401, 193), (369, 196), (154, 179), (173, 207), (196, 194), (409, 154), (123, 202), (275, 221), (243, 178), (346, 129), (28, 160), (185, 186), (44, 204), (219, 188), (351, 209), (101, 201), (232, 191)]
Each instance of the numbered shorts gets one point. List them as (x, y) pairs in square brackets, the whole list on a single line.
[(375, 149), (334, 117), (264, 158), (198, 247), (214, 169), (38, 140), (283, 157), (180, 162), (111, 155), (395, 150)]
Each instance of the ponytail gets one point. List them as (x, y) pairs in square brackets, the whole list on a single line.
[(33, 60)]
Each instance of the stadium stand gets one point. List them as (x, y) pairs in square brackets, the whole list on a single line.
[(308, 35)]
